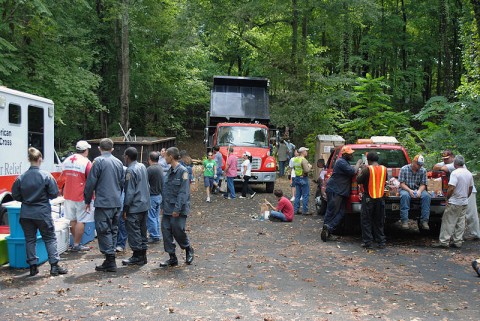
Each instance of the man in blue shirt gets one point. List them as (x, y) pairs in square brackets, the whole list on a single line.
[(338, 190)]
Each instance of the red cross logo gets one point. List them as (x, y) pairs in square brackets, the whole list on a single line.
[(73, 159)]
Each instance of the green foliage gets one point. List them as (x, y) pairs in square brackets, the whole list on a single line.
[(371, 113)]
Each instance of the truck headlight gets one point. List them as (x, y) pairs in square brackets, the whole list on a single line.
[(270, 165)]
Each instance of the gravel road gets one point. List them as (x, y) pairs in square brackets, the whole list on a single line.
[(246, 269)]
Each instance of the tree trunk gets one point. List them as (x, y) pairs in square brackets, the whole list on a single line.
[(293, 56), (404, 37), (124, 70)]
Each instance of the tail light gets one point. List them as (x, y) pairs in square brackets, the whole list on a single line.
[(354, 187)]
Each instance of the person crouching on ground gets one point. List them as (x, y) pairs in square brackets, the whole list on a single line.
[(284, 210), (34, 189)]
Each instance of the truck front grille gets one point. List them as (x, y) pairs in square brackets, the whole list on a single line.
[(256, 163)]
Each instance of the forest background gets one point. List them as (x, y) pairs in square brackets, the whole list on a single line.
[(357, 68)]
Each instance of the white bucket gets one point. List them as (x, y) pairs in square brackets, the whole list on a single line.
[(266, 214)]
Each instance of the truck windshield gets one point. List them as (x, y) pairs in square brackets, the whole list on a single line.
[(391, 158), (242, 136)]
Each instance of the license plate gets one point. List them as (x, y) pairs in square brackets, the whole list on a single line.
[(395, 207)]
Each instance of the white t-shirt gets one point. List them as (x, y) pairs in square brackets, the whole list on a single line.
[(451, 168), (290, 164), (246, 163), (462, 179)]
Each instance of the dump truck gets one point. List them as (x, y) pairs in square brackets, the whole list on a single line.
[(239, 117)]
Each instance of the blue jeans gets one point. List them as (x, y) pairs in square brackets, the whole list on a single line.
[(281, 167), (405, 205), (153, 219), (219, 175), (278, 215), (302, 189), (230, 188), (335, 210), (122, 233)]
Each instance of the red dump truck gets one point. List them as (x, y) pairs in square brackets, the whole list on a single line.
[(239, 117)]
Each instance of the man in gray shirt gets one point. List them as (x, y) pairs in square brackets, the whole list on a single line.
[(106, 178), (135, 207)]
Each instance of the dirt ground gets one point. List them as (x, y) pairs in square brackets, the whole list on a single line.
[(246, 269)]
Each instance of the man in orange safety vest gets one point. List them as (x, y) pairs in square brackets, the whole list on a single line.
[(373, 178)]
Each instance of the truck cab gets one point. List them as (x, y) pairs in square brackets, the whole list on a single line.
[(239, 117), (25, 121)]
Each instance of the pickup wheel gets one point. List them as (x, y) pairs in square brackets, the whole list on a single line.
[(434, 228), (321, 207), (269, 187)]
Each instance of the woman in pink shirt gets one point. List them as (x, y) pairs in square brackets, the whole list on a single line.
[(230, 173), (284, 210)]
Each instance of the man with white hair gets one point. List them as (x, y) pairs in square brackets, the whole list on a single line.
[(460, 187)]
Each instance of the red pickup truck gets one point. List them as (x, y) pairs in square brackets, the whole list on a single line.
[(394, 157)]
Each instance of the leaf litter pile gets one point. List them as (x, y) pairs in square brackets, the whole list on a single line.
[(247, 269)]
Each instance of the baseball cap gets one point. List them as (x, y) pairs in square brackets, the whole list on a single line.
[(83, 145), (247, 154), (447, 153), (347, 150), (419, 160), (302, 149)]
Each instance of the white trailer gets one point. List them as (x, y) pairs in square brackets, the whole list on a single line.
[(25, 121)]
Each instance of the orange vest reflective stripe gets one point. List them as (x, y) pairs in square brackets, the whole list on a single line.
[(376, 183)]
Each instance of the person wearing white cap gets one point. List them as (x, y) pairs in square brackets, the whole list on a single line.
[(246, 174), (302, 185), (413, 184), (75, 170)]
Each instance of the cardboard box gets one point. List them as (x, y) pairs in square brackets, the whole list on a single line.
[(434, 185)]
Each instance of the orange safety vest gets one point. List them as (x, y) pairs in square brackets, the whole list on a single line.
[(376, 183)]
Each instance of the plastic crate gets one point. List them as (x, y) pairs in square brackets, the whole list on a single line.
[(17, 255), (88, 234), (3, 249), (16, 231)]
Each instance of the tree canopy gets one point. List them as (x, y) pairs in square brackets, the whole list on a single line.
[(352, 67)]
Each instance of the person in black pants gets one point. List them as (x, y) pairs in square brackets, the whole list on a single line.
[(34, 189), (246, 174), (373, 178)]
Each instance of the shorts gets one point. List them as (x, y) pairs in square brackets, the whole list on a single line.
[(75, 211), (208, 181)]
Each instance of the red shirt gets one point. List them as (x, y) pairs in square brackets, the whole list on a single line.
[(75, 169), (285, 206)]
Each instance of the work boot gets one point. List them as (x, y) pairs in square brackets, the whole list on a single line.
[(136, 259), (189, 255), (33, 270), (173, 261), (144, 254), (55, 270), (109, 265)]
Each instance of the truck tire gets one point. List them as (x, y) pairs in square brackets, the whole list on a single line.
[(322, 207), (269, 187)]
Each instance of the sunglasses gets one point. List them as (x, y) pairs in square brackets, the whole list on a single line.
[(210, 154)]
